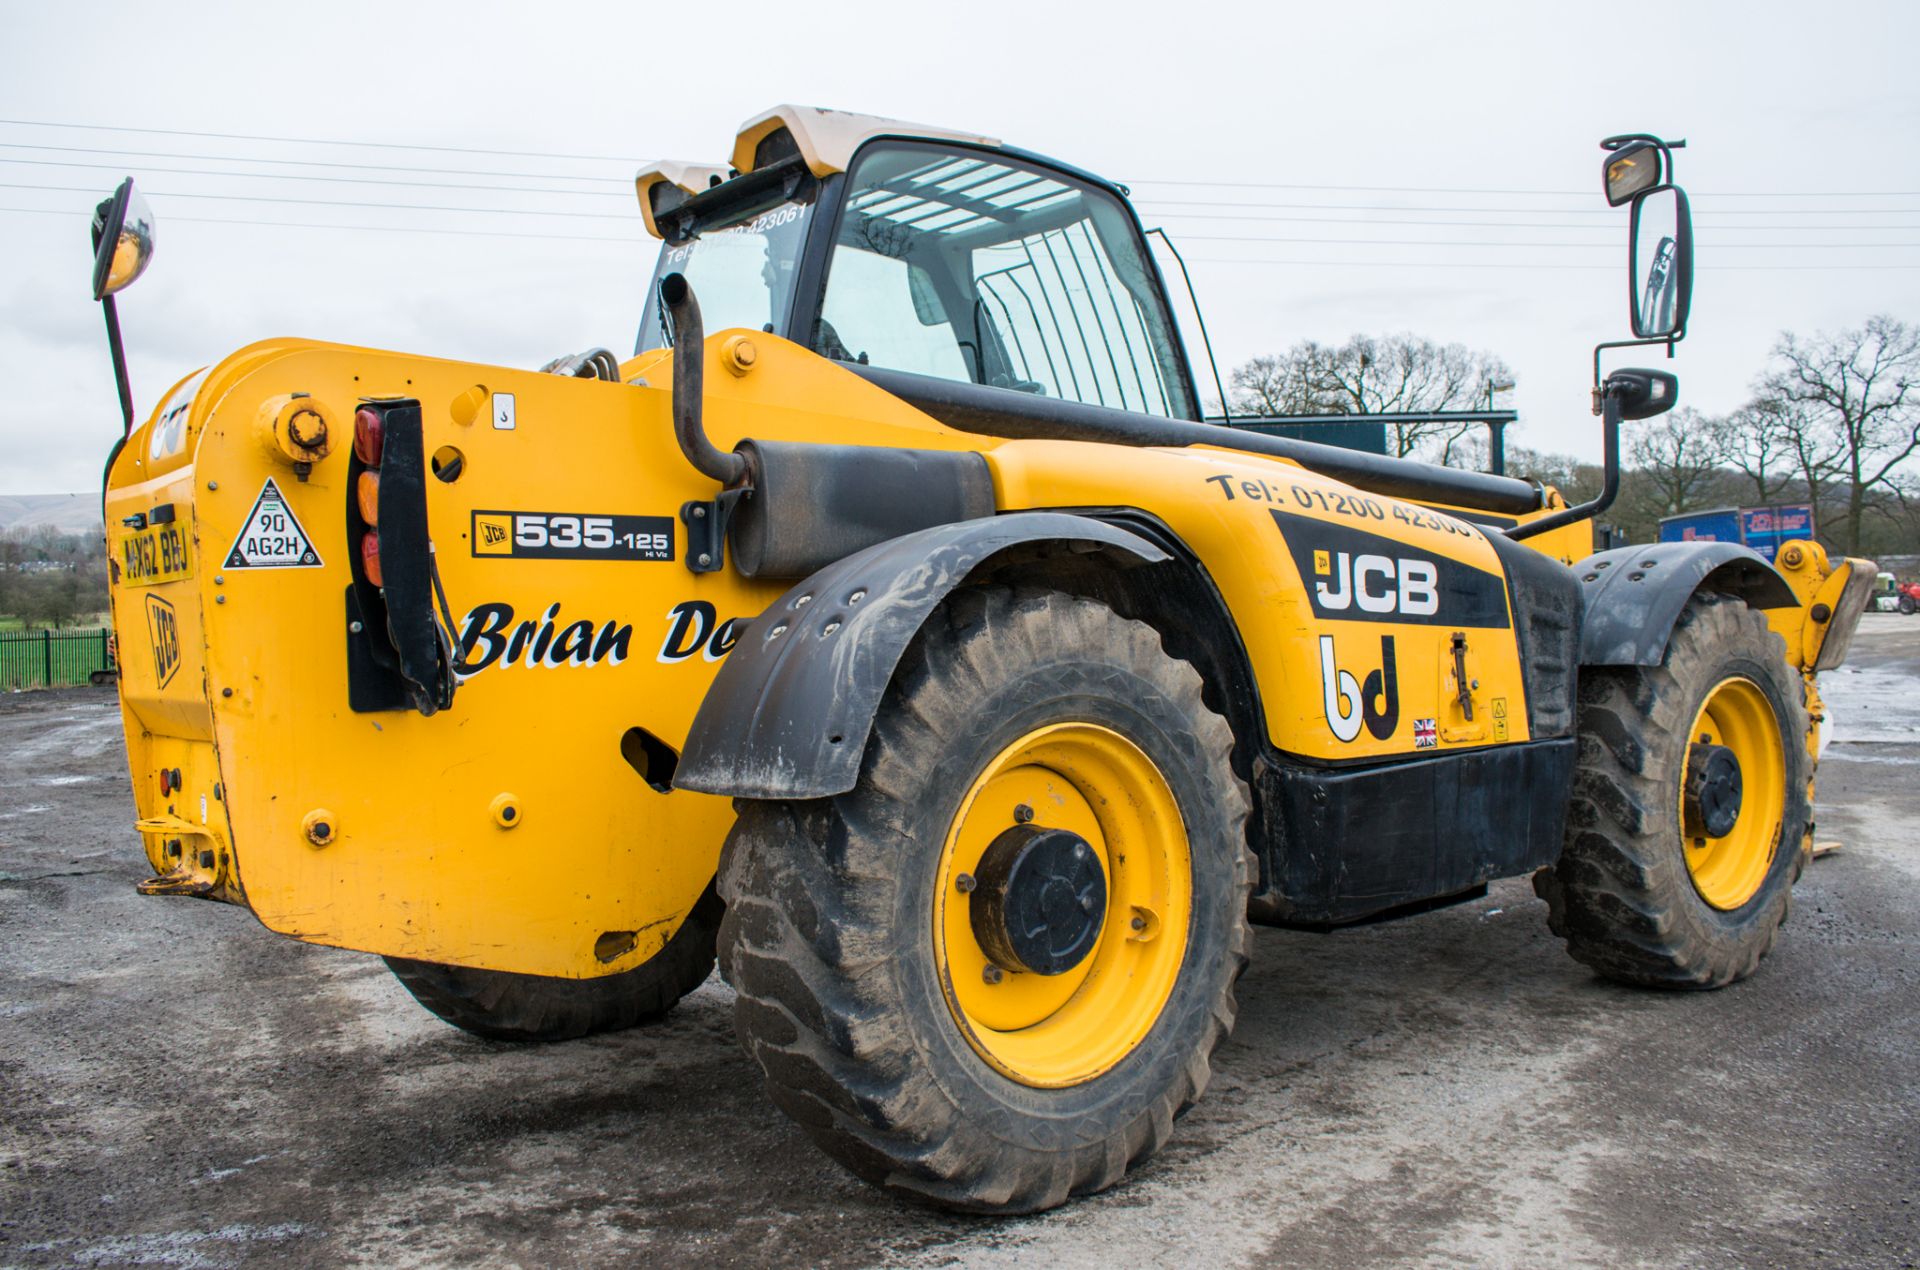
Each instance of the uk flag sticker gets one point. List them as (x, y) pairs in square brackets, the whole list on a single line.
[(1424, 734)]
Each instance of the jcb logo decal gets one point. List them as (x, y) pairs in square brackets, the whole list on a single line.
[(1355, 576), (492, 534), (1350, 703), (163, 633), (1377, 584)]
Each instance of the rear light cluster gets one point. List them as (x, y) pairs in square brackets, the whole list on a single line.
[(369, 440)]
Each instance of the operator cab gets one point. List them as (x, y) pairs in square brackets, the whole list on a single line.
[(915, 249)]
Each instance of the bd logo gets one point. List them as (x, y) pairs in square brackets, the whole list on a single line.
[(163, 635), (1350, 703)]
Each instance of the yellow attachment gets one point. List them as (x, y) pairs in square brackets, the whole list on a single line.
[(320, 826), (469, 406), (1051, 1031), (738, 354), (505, 810), (1816, 581), (296, 428), (1729, 869)]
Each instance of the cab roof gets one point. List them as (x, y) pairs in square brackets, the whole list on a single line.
[(825, 139)]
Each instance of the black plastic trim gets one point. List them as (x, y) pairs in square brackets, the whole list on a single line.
[(1547, 614), (1634, 594), (1342, 847)]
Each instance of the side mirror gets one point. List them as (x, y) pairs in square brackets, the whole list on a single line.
[(122, 240), (1632, 167), (1660, 263)]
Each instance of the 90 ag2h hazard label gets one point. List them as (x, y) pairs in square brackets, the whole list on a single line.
[(572, 536)]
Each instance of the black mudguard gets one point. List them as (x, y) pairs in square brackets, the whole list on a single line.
[(1634, 594), (789, 713)]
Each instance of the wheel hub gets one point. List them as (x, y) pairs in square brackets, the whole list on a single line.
[(1712, 799), (1040, 900)]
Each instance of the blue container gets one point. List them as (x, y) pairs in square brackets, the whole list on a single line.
[(1721, 525)]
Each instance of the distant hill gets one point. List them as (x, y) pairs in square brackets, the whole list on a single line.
[(69, 513)]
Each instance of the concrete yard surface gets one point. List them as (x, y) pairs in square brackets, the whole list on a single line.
[(180, 1087)]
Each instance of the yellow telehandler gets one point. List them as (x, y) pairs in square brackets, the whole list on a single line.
[(894, 624)]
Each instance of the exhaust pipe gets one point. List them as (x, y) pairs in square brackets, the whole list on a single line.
[(689, 338)]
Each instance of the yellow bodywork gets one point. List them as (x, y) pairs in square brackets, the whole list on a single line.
[(508, 831)]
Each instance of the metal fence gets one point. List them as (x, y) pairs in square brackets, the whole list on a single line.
[(52, 659)]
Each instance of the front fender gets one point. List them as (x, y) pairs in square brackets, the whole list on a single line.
[(1634, 594), (789, 713)]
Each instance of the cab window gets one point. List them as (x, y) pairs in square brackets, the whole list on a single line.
[(971, 266)]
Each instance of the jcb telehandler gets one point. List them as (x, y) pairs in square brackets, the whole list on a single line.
[(912, 637)]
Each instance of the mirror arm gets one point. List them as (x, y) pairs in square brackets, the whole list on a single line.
[(119, 365), (1668, 340), (1610, 485)]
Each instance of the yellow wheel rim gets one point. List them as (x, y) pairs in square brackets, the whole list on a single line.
[(1051, 1031), (1729, 869)]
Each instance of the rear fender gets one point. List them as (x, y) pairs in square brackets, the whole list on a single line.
[(789, 713)]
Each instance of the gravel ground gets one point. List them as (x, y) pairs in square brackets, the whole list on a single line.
[(180, 1087)]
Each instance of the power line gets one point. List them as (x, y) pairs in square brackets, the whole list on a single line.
[(1223, 214), (329, 202), (1454, 189), (1496, 224), (347, 180), (377, 229), (1456, 242), (313, 163), (1244, 260), (609, 158), (1425, 264), (317, 141), (1144, 205), (1211, 260), (1533, 211)]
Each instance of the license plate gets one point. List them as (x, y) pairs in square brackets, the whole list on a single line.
[(158, 553)]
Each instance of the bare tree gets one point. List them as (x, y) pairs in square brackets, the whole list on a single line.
[(1282, 385), (1861, 390), (1677, 458), (1375, 375), (1774, 443)]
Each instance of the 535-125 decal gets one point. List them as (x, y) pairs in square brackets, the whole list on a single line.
[(572, 536)]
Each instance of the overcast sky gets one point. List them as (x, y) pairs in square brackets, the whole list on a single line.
[(1804, 163)]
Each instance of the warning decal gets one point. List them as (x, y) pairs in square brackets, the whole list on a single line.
[(272, 537)]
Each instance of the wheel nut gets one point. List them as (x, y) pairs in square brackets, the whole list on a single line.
[(1022, 814), (965, 883), (993, 973)]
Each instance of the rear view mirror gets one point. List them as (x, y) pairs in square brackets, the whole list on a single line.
[(122, 240), (1634, 167), (1660, 269)]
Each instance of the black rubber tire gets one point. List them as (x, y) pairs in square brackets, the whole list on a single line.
[(1620, 894), (1907, 605), (828, 942), (503, 1006)]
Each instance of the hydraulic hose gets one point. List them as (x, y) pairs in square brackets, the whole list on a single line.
[(689, 340)]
